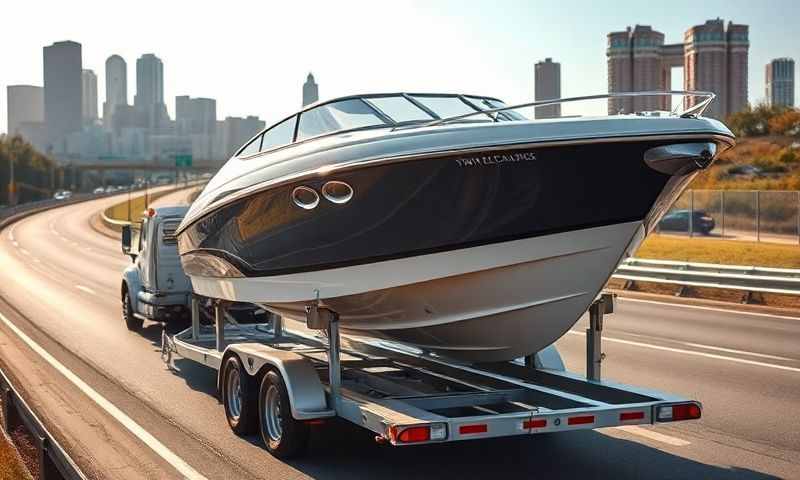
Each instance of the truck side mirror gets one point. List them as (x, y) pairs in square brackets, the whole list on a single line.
[(127, 236)]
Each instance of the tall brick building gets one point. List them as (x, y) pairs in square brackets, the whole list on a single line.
[(714, 59)]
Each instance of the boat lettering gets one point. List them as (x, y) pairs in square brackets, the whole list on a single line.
[(487, 160)]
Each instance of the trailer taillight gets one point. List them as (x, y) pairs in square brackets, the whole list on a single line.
[(679, 411), (418, 433)]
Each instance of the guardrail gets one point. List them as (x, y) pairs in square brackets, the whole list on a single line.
[(785, 281), (53, 461)]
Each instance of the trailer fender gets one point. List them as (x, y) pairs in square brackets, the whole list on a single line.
[(130, 279), (306, 393), (549, 359)]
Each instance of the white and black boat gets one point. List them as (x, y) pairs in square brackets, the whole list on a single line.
[(448, 222)]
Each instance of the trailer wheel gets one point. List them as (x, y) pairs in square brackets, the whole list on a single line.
[(133, 323), (283, 436), (239, 396)]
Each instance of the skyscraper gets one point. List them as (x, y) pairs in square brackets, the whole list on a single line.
[(716, 61), (62, 92), (310, 91), (149, 98), (88, 96), (780, 82), (547, 86), (713, 58), (25, 105), (195, 115), (116, 88)]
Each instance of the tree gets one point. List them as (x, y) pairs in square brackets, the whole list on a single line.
[(30, 168)]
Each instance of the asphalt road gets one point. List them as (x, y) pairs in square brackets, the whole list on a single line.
[(60, 283)]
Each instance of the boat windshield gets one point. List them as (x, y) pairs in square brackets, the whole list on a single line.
[(336, 116)]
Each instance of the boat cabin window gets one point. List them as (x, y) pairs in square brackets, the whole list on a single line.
[(399, 109), (279, 135), (448, 106), (336, 116), (251, 148)]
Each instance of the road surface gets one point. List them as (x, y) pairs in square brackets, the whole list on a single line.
[(60, 285)]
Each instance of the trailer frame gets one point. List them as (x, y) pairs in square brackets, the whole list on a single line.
[(406, 396)]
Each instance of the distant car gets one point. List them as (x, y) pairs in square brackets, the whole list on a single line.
[(111, 188), (99, 190), (62, 195), (678, 220)]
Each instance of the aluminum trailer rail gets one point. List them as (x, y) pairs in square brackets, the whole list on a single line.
[(404, 396)]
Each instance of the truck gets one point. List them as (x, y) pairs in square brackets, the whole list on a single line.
[(154, 286)]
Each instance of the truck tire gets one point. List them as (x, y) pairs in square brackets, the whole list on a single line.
[(283, 436), (133, 323), (239, 396)]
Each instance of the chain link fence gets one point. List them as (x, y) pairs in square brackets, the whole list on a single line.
[(750, 215)]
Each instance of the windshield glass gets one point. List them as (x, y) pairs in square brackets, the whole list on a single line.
[(511, 114), (399, 109), (448, 107), (332, 117)]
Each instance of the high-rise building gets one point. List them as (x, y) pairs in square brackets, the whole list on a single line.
[(310, 91), (237, 130), (88, 96), (780, 82), (62, 92), (195, 115), (547, 86), (116, 88), (25, 105), (149, 98), (713, 58)]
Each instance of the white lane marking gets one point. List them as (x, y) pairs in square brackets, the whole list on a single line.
[(692, 352), (148, 439), (86, 289), (652, 435), (712, 347), (730, 311)]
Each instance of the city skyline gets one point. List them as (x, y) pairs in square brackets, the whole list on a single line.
[(223, 69)]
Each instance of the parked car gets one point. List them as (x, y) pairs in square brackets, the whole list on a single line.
[(99, 190), (678, 220), (62, 195)]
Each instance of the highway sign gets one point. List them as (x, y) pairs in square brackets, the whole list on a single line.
[(183, 160)]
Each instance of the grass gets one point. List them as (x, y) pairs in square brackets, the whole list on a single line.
[(10, 466), (731, 252)]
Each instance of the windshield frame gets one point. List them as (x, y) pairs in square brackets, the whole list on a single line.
[(389, 122)]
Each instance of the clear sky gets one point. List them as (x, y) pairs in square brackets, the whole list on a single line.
[(253, 56)]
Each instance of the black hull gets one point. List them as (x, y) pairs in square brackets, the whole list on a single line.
[(415, 207)]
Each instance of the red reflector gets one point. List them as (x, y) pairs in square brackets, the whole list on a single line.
[(625, 416), (478, 428), (414, 434), (581, 420), (537, 423), (687, 411)]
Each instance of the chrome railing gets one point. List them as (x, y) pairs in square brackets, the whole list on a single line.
[(693, 111)]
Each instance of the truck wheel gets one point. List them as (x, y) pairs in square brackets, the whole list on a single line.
[(239, 396), (284, 436), (133, 323)]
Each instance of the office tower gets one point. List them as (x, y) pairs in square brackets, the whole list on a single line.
[(149, 98), (310, 91), (25, 105), (116, 88), (547, 87), (237, 130), (780, 82), (714, 59), (88, 96), (62, 92), (195, 115)]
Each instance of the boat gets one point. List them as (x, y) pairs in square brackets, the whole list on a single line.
[(451, 223)]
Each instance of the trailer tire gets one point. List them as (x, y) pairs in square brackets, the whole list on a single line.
[(133, 322), (239, 396), (283, 435)]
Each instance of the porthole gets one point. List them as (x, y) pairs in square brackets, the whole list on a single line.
[(305, 197), (337, 192)]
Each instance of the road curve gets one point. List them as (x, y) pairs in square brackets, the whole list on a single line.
[(64, 277)]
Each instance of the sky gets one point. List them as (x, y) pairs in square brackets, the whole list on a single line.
[(253, 56)]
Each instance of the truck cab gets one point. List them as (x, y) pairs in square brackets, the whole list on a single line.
[(154, 287)]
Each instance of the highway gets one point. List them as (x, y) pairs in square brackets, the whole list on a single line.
[(59, 286)]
